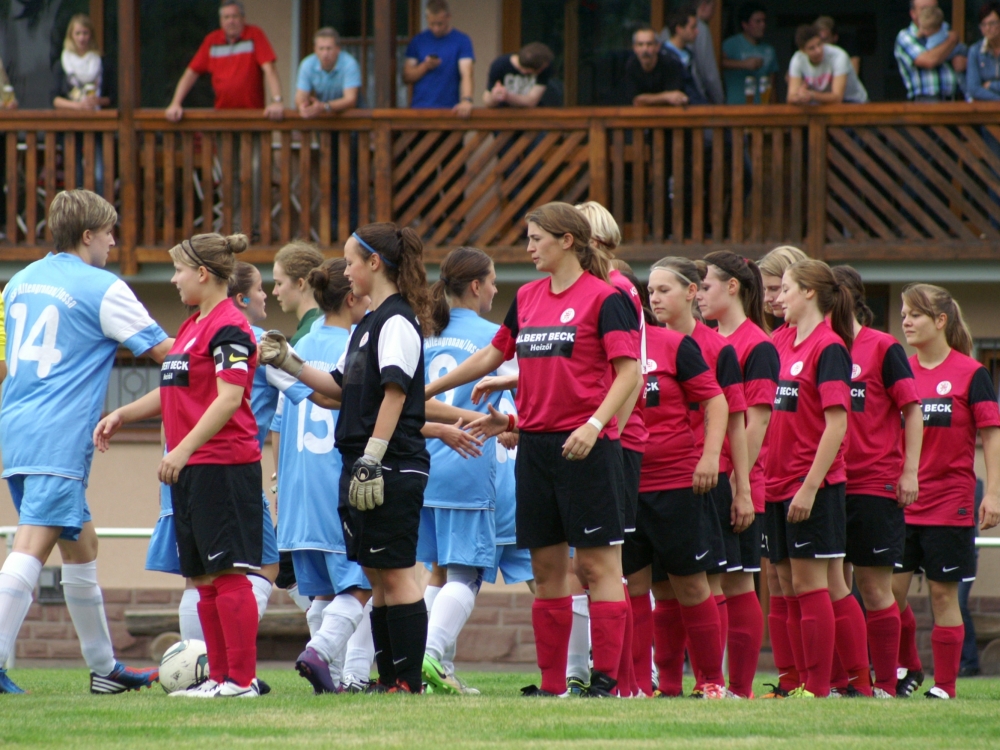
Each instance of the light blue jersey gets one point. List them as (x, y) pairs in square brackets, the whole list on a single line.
[(308, 462), (268, 383), (456, 482), (64, 322), (505, 484)]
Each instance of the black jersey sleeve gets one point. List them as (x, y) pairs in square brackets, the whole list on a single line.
[(727, 367), (690, 361), (762, 363), (895, 366), (510, 322), (981, 387), (834, 364), (617, 314), (231, 347)]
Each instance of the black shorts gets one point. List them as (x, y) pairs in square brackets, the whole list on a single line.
[(632, 463), (218, 518), (822, 535), (751, 545), (876, 532), (945, 554), (729, 551), (386, 536), (677, 532), (559, 500)]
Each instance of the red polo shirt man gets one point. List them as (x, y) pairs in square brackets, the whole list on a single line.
[(240, 58)]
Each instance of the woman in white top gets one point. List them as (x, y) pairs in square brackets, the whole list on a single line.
[(80, 70)]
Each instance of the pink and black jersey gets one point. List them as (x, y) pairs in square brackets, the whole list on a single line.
[(881, 385), (676, 375), (634, 434), (721, 357), (815, 375), (564, 343), (221, 345), (957, 398), (759, 362)]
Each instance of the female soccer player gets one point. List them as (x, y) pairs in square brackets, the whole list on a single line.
[(292, 265), (805, 523), (772, 267), (732, 500), (732, 294), (883, 458), (213, 463), (566, 330), (379, 382), (957, 399), (678, 537)]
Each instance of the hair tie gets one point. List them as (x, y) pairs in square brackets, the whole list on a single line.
[(373, 251), (193, 255), (444, 280)]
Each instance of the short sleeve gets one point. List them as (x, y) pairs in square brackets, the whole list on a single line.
[(897, 377), (465, 48), (730, 48), (125, 320), (496, 73), (983, 399), (399, 351), (505, 339), (302, 79), (841, 63), (833, 377), (760, 374), (694, 376), (352, 75), (279, 413), (278, 379), (618, 327), (543, 78), (231, 348), (413, 50), (200, 62), (795, 66), (263, 52)]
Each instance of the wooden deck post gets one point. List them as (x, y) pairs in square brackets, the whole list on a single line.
[(128, 156), (816, 193), (385, 53), (598, 156)]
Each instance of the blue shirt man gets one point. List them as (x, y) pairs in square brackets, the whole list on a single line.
[(329, 79), (745, 55), (439, 64)]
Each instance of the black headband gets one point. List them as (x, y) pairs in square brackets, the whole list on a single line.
[(193, 255)]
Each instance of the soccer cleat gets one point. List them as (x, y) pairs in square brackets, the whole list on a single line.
[(776, 692), (352, 684), (438, 679), (377, 688), (883, 694), (533, 691), (735, 696), (312, 667), (230, 689), (465, 689), (601, 686), (660, 694), (936, 692), (206, 689), (7, 686), (908, 683), (402, 687), (800, 692), (708, 691), (122, 679), (263, 686), (576, 686)]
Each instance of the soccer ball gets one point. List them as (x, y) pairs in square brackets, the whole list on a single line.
[(184, 664)]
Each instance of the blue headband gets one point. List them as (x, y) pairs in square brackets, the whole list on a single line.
[(373, 251)]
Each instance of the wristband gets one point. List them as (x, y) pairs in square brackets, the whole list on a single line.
[(376, 448), (511, 423), (595, 423)]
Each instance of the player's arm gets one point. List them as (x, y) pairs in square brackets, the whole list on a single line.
[(3, 370), (480, 364), (275, 351), (436, 411), (989, 511), (833, 436), (159, 352), (706, 473), (741, 513), (220, 411), (454, 437), (146, 407), (913, 439), (758, 418)]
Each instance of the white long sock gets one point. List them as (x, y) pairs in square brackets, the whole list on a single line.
[(578, 658), (340, 620), (302, 602), (448, 657), (187, 612), (85, 603), (314, 615), (361, 648), (17, 582), (451, 611), (261, 592), (430, 595)]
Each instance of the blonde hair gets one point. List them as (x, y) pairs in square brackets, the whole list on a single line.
[(73, 212), (213, 252), (604, 231), (932, 17), (83, 20), (776, 262), (298, 258), (935, 300)]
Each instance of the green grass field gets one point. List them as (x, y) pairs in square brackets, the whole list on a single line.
[(60, 713)]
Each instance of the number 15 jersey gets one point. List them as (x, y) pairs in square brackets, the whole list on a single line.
[(64, 322)]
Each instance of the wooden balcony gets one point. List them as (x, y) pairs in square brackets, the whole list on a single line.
[(877, 182)]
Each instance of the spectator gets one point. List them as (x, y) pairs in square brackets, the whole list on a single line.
[(748, 62), (828, 33), (821, 73), (706, 69), (934, 30), (7, 98), (682, 25), (926, 73), (651, 77), (240, 58), (983, 73), (519, 80), (439, 64), (329, 78), (78, 75)]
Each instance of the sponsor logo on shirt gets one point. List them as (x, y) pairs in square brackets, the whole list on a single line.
[(174, 370), (943, 388), (937, 411), (650, 365), (546, 341), (786, 398), (855, 372), (364, 340), (652, 391), (568, 314), (858, 391), (796, 368)]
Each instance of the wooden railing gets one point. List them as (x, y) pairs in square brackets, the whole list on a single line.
[(880, 181)]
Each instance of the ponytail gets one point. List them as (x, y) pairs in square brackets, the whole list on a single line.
[(560, 219), (731, 266), (934, 301), (832, 298), (401, 252), (460, 268), (849, 277)]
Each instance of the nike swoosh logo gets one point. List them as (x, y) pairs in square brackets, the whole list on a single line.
[(880, 551), (948, 570), (804, 544), (399, 661), (234, 358), (591, 531), (698, 557), (372, 550), (217, 554)]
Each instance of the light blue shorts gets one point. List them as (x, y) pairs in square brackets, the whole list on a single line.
[(50, 500), (457, 537), (162, 553), (513, 563), (321, 573)]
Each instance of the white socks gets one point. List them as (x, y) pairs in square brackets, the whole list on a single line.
[(314, 615), (85, 603), (17, 583), (430, 594), (340, 620), (361, 648), (261, 592), (302, 602), (452, 608), (578, 658), (187, 613)]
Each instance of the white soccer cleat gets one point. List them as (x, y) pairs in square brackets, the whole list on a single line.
[(206, 689), (230, 689)]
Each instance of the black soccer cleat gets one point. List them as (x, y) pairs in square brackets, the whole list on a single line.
[(533, 691), (908, 683), (601, 686)]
